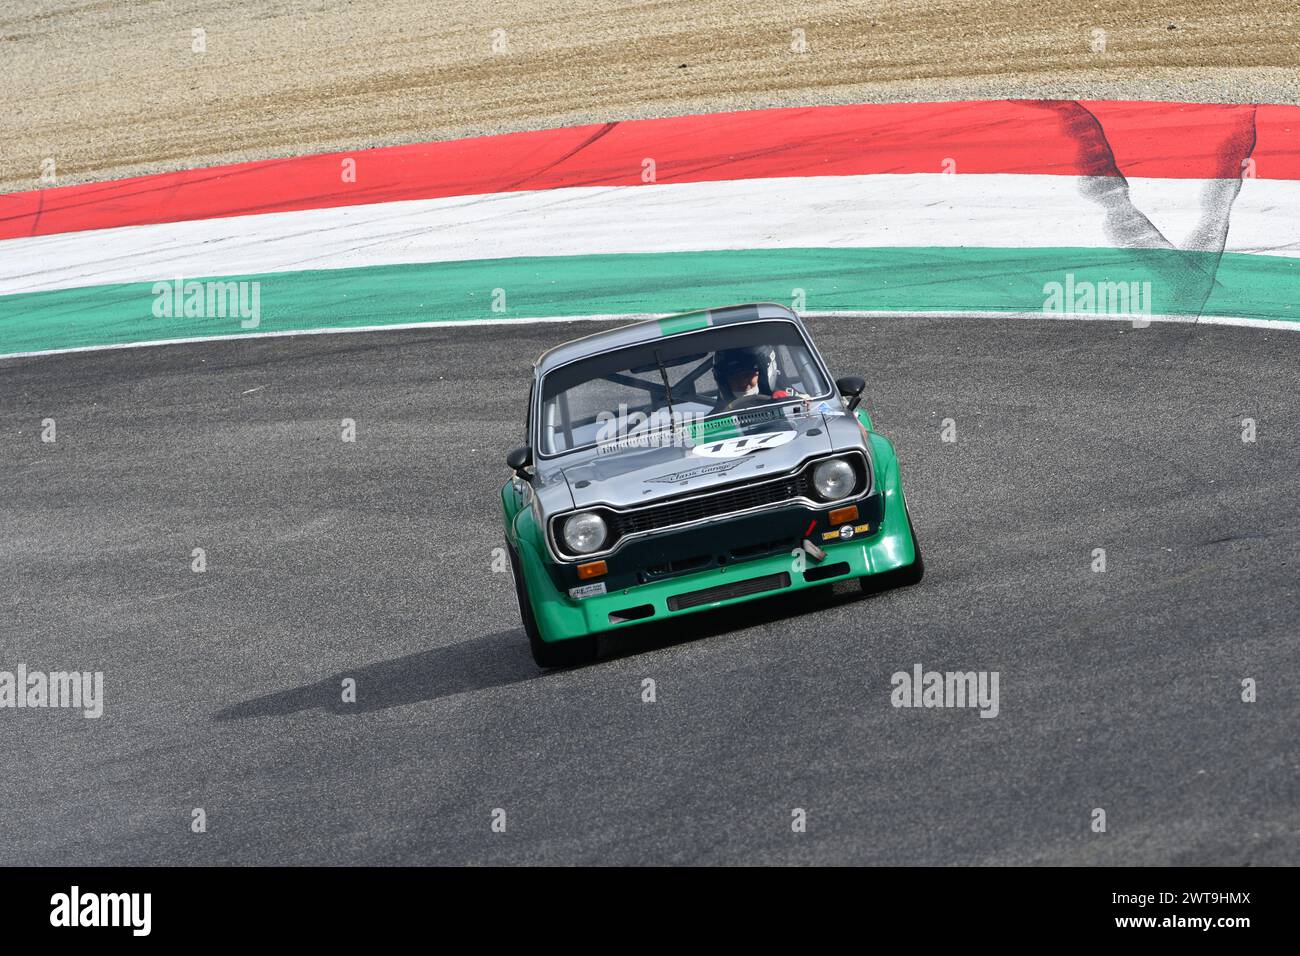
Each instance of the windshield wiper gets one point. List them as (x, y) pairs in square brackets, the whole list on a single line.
[(668, 389)]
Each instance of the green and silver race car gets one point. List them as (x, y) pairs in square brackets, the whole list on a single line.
[(688, 463)]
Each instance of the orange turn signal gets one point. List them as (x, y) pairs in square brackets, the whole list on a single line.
[(593, 569), (844, 515)]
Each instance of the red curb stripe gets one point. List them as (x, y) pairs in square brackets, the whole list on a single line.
[(1158, 140)]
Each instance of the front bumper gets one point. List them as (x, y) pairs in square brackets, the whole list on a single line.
[(643, 584)]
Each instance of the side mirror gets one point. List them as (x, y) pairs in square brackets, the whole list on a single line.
[(851, 387), (518, 460)]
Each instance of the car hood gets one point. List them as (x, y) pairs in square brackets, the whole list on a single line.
[(628, 476)]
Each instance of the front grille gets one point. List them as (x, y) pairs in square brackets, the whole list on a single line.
[(653, 517), (698, 507), (725, 592)]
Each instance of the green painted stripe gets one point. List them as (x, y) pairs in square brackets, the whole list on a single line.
[(684, 323), (714, 429), (948, 279)]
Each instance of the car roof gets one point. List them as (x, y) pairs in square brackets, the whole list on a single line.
[(651, 329)]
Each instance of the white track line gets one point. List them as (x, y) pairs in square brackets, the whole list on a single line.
[(1277, 324)]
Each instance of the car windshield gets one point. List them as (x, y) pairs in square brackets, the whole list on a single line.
[(671, 382)]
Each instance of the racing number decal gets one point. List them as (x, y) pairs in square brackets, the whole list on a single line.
[(735, 447)]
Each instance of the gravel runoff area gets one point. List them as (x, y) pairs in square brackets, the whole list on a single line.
[(106, 90)]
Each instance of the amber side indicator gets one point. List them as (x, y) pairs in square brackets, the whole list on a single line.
[(593, 569), (844, 515)]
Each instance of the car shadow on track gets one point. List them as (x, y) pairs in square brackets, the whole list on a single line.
[(482, 663), (501, 659)]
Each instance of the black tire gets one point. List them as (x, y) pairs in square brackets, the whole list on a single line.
[(566, 653), (900, 577)]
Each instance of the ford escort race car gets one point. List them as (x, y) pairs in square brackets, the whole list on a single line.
[(693, 462)]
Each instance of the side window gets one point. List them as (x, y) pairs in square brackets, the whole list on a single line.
[(797, 371), (791, 374)]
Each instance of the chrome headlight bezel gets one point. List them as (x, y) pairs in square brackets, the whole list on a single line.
[(574, 525), (835, 487)]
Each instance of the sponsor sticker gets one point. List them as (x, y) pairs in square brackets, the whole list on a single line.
[(745, 444), (722, 466), (845, 532), (587, 590)]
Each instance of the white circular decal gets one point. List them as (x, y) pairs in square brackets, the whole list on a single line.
[(735, 447), (846, 532)]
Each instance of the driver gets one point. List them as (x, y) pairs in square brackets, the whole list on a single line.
[(737, 373), (744, 372)]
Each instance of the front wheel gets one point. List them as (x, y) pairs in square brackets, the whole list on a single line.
[(566, 653), (899, 577)]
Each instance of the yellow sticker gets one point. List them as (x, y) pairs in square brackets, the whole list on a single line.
[(828, 535), (862, 528)]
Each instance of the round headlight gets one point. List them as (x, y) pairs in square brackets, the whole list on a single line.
[(584, 532), (834, 479)]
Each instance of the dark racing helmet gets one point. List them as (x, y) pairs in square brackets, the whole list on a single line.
[(756, 358)]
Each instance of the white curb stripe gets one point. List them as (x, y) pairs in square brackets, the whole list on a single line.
[(919, 210)]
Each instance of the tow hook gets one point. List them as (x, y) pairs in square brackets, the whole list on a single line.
[(814, 552)]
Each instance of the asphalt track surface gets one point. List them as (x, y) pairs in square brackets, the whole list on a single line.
[(373, 560)]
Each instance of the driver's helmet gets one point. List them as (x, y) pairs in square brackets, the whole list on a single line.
[(727, 362)]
